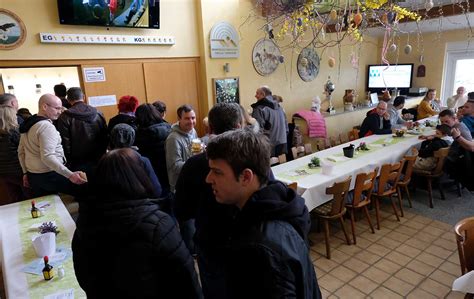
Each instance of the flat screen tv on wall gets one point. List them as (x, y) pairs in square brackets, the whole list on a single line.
[(110, 13), (381, 77)]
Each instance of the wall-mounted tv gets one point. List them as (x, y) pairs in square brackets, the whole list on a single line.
[(381, 77), (110, 13)]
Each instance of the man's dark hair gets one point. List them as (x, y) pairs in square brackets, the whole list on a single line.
[(470, 96), (75, 94), (400, 100), (184, 109), (121, 175), (147, 115), (242, 149), (447, 112), (160, 106), (224, 117), (444, 129), (5, 98), (267, 91), (60, 90)]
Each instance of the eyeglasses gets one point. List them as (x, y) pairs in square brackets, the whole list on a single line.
[(57, 108)]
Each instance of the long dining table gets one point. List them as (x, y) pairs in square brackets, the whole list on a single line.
[(312, 183)]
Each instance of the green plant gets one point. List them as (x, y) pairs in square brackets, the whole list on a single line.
[(315, 162)]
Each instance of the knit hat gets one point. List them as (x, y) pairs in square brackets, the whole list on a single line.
[(122, 135), (127, 104)]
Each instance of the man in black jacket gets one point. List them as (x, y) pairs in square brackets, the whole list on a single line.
[(266, 253), (83, 131), (377, 122)]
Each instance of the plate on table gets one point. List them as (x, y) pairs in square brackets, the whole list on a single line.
[(414, 132)]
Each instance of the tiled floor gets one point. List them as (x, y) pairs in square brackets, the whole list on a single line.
[(414, 258)]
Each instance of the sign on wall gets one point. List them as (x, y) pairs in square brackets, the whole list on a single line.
[(224, 41), (108, 100), (94, 74)]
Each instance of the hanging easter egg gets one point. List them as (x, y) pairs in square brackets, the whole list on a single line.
[(407, 49), (358, 19), (391, 16), (392, 48), (333, 15), (331, 61), (384, 18), (299, 22), (429, 5), (338, 27)]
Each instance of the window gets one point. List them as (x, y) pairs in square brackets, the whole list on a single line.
[(459, 63)]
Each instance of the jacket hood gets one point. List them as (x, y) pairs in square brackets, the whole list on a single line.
[(82, 112), (266, 102), (278, 202), (175, 128), (30, 122)]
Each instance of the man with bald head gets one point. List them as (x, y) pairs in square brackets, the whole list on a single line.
[(376, 123), (41, 154)]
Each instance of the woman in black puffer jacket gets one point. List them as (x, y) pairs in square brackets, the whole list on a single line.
[(124, 245)]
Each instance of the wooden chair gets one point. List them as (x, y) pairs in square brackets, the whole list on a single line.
[(364, 183), (464, 231), (334, 141), (334, 209), (294, 152), (387, 187), (436, 173), (353, 134), (344, 138), (282, 158), (308, 149), (322, 143), (274, 161), (403, 182)]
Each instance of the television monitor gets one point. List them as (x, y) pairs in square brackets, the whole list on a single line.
[(381, 77), (110, 13)]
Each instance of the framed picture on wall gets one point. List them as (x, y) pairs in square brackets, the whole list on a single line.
[(12, 30), (226, 90)]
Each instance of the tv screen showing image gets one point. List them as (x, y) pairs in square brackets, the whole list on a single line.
[(380, 77), (110, 13)]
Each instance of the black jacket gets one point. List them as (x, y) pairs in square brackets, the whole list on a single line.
[(371, 125), (131, 249), (268, 256), (151, 144), (428, 147), (84, 134), (122, 119), (9, 163)]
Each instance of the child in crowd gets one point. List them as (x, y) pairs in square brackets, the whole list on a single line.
[(425, 159)]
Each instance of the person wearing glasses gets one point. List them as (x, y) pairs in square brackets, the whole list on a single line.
[(41, 154)]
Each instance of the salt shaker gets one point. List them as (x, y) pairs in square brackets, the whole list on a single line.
[(60, 271)]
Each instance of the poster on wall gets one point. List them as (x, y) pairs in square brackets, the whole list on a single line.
[(226, 90), (94, 74), (98, 101)]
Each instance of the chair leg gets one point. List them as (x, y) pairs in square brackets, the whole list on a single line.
[(394, 208), (353, 226), (441, 191), (341, 219), (430, 192), (408, 195), (368, 220), (458, 186), (326, 237), (400, 201), (377, 214)]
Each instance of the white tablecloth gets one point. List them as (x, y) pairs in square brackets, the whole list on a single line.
[(313, 187), (11, 251)]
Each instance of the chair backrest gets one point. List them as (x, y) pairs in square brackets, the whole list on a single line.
[(274, 161), (353, 134), (334, 140), (409, 162), (321, 143), (282, 158), (464, 231), (343, 138), (364, 182), (294, 152), (339, 191), (308, 149), (293, 186), (389, 173), (440, 154)]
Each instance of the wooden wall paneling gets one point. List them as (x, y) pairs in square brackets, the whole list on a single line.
[(175, 83), (121, 79)]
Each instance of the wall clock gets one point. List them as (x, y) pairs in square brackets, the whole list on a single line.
[(266, 57), (308, 64), (12, 30)]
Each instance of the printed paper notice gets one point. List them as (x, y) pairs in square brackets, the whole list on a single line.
[(94, 74), (107, 100)]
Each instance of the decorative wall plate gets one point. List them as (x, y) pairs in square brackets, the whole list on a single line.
[(308, 64), (12, 30), (266, 57)]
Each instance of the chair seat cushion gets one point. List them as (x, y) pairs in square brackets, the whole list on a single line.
[(388, 186), (324, 209)]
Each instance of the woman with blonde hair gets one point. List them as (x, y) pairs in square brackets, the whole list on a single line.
[(11, 176)]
